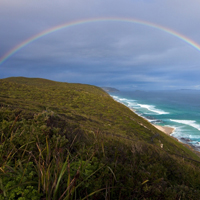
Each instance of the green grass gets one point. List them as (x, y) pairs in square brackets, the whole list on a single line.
[(73, 141)]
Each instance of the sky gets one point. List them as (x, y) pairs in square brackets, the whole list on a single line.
[(129, 45)]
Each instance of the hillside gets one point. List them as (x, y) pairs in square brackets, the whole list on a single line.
[(110, 89), (73, 141)]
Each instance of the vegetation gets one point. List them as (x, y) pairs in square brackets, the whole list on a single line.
[(73, 141)]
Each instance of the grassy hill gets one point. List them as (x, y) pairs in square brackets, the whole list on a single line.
[(73, 141)]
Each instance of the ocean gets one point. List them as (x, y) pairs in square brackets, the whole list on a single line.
[(179, 109)]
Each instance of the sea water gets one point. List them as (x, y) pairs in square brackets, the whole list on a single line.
[(179, 109)]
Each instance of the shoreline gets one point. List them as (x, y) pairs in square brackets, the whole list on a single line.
[(166, 129)]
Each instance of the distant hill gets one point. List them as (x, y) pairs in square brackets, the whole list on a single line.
[(110, 89), (73, 141)]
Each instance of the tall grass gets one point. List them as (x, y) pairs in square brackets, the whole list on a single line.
[(51, 170)]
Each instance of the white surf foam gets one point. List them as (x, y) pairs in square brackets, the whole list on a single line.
[(187, 122), (127, 102), (194, 136), (133, 104), (153, 109)]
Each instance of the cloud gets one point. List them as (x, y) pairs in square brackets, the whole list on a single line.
[(103, 53)]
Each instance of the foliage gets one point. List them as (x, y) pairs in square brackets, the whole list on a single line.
[(19, 182), (73, 141)]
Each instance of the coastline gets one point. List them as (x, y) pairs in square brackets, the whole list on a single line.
[(168, 131), (165, 129)]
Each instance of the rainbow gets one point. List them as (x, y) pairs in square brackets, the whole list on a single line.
[(85, 21)]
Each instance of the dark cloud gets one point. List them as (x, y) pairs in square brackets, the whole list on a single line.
[(121, 54)]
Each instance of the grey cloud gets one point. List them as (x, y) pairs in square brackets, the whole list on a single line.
[(112, 53)]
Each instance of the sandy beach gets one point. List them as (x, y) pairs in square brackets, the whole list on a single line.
[(166, 129)]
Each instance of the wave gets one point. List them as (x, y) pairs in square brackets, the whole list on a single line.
[(127, 102), (186, 131), (194, 137), (116, 97), (187, 122), (153, 109), (123, 99), (133, 104)]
